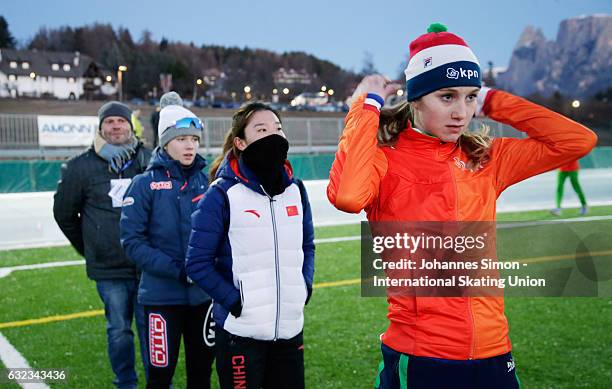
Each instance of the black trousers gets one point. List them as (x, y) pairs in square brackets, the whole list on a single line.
[(166, 324), (253, 364), (403, 370)]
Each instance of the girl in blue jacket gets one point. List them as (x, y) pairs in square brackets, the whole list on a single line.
[(155, 228), (252, 250)]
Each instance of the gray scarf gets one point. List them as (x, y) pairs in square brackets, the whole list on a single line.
[(116, 155)]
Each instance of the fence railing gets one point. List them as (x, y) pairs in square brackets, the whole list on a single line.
[(19, 135), (18, 131)]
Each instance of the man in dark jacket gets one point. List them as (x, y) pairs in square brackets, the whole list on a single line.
[(87, 208)]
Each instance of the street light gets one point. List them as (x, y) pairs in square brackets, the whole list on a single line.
[(330, 92), (120, 70), (195, 89), (247, 92), (323, 88), (286, 91), (109, 78), (32, 75), (275, 95), (575, 103)]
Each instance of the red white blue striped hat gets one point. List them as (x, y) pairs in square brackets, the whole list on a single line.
[(440, 59)]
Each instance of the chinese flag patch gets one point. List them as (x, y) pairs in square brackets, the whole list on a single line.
[(292, 210)]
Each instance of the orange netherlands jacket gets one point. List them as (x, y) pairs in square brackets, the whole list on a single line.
[(421, 178)]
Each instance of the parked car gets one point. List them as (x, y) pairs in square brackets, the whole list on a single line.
[(310, 99), (327, 108), (136, 101)]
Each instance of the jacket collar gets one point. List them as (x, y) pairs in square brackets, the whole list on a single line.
[(161, 160), (426, 145)]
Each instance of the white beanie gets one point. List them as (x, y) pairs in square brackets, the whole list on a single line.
[(170, 98), (168, 117)]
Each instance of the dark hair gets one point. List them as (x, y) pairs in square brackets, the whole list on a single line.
[(240, 119), (394, 120)]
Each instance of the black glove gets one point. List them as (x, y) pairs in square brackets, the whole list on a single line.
[(236, 309), (309, 288)]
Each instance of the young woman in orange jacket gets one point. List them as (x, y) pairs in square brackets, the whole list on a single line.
[(418, 162)]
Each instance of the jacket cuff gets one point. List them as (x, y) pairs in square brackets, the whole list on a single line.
[(373, 102)]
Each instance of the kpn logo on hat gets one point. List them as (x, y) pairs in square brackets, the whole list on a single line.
[(440, 59)]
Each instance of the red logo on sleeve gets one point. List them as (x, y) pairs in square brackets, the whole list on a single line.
[(292, 210)]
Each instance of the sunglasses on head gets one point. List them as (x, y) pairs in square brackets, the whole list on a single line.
[(188, 122)]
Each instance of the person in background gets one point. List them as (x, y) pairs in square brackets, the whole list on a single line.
[(87, 208), (136, 124), (569, 171), (252, 250), (155, 122), (155, 228)]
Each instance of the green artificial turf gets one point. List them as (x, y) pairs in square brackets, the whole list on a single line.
[(557, 342)]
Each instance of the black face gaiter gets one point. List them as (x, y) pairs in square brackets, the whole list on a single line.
[(266, 158)]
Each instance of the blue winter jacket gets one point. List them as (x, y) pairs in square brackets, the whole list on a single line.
[(155, 227), (255, 252)]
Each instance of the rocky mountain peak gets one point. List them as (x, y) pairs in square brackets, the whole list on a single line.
[(577, 64)]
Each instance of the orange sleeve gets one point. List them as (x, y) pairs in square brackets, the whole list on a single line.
[(570, 167), (360, 164), (553, 140)]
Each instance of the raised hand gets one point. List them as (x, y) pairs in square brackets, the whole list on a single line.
[(375, 83)]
